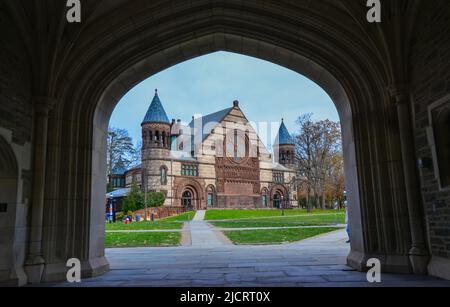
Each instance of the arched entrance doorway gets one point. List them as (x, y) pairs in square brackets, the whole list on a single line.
[(189, 193), (277, 200), (187, 200)]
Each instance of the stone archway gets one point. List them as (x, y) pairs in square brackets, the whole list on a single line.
[(120, 44), (279, 196), (185, 186)]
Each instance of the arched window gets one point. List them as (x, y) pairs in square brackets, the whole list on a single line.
[(163, 175), (277, 200), (211, 196), (264, 198), (163, 139), (144, 137)]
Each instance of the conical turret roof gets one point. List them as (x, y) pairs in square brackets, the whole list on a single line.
[(284, 137), (156, 112)]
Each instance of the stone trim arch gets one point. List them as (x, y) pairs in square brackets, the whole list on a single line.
[(181, 184), (279, 188)]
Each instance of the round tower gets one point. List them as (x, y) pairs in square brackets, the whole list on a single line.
[(156, 133)]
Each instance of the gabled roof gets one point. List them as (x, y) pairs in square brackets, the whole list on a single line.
[(216, 118), (279, 167), (156, 112), (284, 137)]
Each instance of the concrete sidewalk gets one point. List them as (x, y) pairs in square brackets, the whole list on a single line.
[(203, 235)]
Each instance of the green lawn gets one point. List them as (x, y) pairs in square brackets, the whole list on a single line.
[(248, 237), (185, 217), (174, 222), (145, 226), (290, 221), (140, 239), (246, 214)]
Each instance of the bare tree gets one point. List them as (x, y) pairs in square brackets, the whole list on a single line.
[(316, 145), (136, 155), (120, 149)]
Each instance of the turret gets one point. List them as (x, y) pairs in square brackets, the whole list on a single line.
[(156, 130), (284, 147)]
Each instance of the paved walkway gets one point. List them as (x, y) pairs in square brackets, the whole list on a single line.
[(203, 235), (316, 262)]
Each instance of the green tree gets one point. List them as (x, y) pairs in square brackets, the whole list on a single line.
[(134, 200), (155, 199)]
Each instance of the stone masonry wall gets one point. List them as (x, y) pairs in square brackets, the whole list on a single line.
[(15, 107), (430, 58)]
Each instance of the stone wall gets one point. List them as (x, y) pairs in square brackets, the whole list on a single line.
[(430, 82), (15, 106), (15, 137)]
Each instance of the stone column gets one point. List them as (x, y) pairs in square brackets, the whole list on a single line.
[(34, 264), (418, 253)]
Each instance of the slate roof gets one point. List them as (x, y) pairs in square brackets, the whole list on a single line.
[(182, 156), (279, 167), (216, 118), (156, 112), (284, 137), (118, 193), (119, 168)]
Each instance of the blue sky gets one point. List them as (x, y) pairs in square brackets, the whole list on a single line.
[(266, 92)]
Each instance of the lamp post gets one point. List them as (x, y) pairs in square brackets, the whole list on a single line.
[(282, 205)]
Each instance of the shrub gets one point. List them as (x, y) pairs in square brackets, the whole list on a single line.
[(156, 199), (120, 216)]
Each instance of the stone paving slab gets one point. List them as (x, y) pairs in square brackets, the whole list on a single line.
[(316, 262)]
